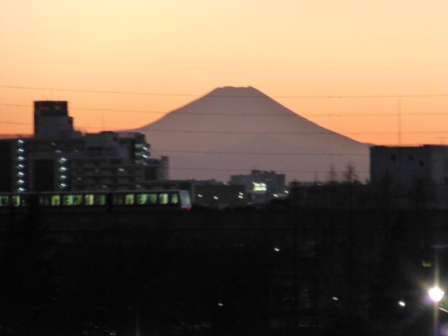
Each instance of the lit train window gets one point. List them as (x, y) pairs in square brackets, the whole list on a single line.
[(100, 199), (67, 200), (163, 198), (142, 198), (55, 200), (88, 199), (4, 201), (129, 199), (72, 200), (174, 199), (77, 200), (152, 198), (15, 201)]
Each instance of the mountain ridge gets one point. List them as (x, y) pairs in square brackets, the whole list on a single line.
[(208, 137)]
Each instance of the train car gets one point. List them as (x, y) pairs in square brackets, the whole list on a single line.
[(97, 200)]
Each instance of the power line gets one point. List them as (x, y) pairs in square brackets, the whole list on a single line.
[(292, 133), (251, 133), (225, 96), (93, 109), (292, 115)]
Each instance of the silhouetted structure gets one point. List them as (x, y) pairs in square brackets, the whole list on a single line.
[(60, 158), (261, 185), (420, 173)]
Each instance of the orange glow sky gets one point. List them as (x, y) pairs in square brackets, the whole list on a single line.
[(159, 55)]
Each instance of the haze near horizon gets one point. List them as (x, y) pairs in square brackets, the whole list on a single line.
[(375, 71)]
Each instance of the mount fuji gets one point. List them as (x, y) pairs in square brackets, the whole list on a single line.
[(232, 131)]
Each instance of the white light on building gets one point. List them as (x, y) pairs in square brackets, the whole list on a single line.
[(259, 187)]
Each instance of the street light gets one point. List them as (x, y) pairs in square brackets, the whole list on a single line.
[(436, 294)]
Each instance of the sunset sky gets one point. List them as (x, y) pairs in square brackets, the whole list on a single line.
[(376, 71)]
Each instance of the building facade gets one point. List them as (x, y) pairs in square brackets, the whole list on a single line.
[(261, 185), (59, 158), (410, 167)]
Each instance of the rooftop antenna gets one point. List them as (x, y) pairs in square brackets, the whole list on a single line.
[(399, 120)]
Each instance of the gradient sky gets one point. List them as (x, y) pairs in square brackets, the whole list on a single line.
[(376, 71)]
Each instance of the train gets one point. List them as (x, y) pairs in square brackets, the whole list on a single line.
[(110, 200)]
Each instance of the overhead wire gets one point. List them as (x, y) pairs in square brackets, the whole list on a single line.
[(244, 132), (243, 115), (223, 96)]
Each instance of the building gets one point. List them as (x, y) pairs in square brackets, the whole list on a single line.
[(261, 185), (61, 158), (217, 194), (411, 168)]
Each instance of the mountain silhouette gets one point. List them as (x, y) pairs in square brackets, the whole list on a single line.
[(232, 131)]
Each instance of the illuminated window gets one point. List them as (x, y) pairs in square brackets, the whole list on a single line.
[(15, 200), (174, 199), (152, 199), (67, 200), (146, 199), (100, 199), (55, 200), (72, 200), (4, 201), (77, 200), (163, 198), (88, 199), (259, 187), (129, 199)]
